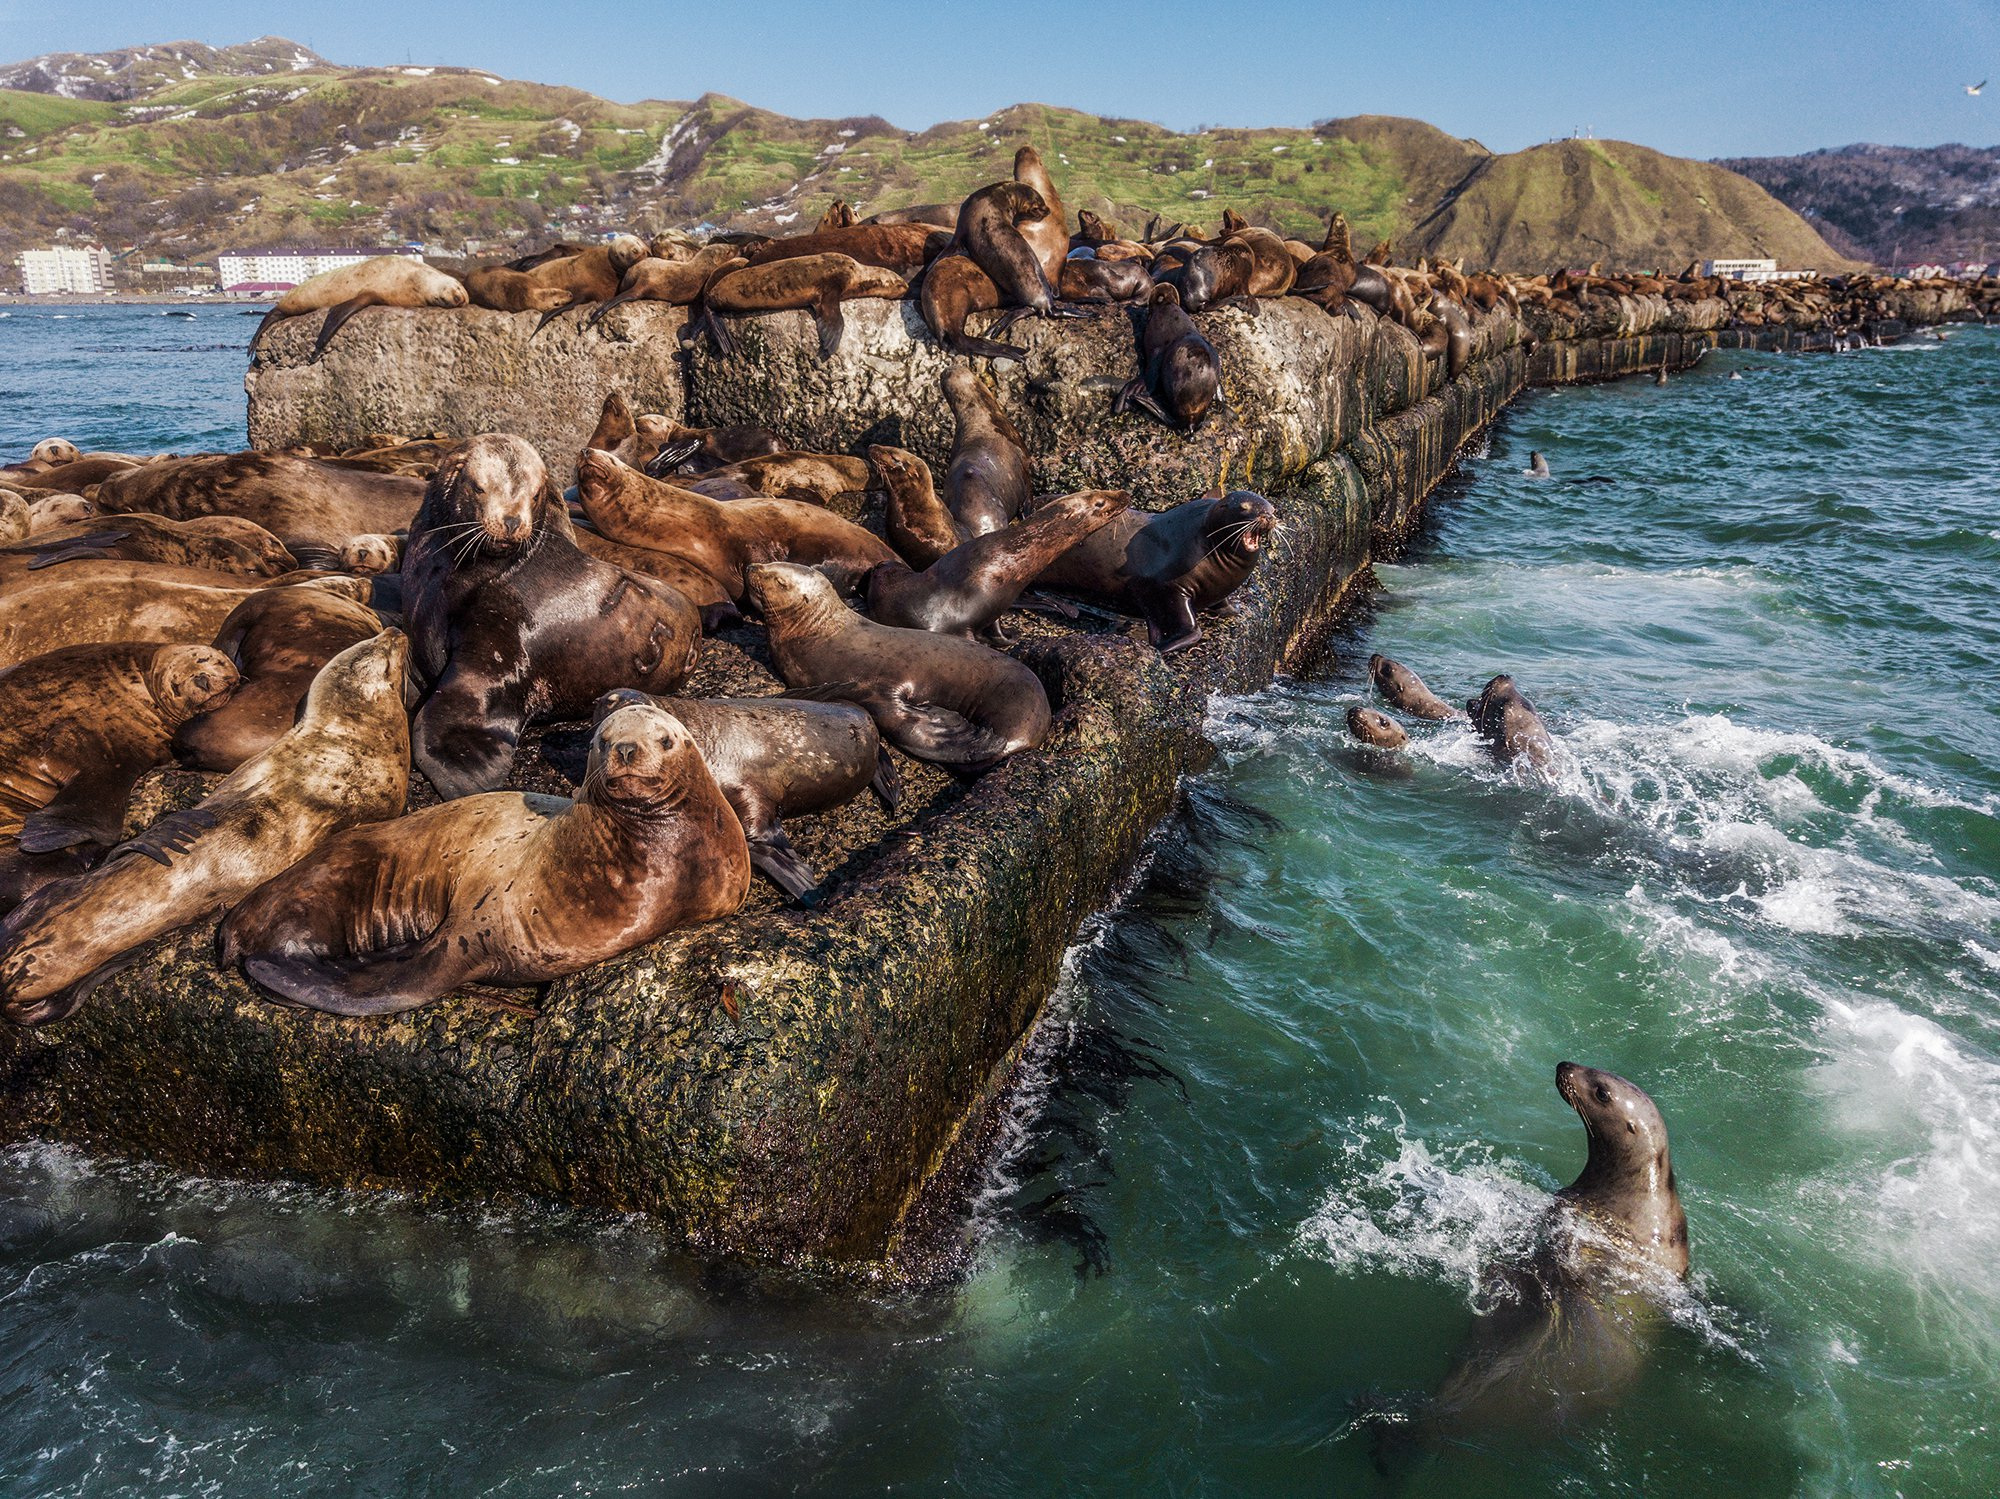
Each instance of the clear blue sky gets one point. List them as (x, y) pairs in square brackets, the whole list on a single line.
[(1696, 80)]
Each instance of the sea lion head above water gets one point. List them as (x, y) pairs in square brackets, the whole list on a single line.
[(1628, 1182)]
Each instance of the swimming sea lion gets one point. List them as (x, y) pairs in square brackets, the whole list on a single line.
[(313, 507), (988, 483), (277, 639), (722, 538), (378, 281), (78, 727), (1538, 467), (776, 757), (920, 526), (1567, 1334), (1170, 566), (502, 888), (1179, 370), (346, 761), (971, 586), (217, 543), (815, 283), (1375, 728), (512, 624), (1509, 724), (936, 697), (1405, 691)]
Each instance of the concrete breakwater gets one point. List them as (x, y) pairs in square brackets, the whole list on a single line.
[(789, 1085)]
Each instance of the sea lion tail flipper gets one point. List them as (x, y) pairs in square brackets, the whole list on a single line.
[(671, 457), (336, 319), (984, 348), (887, 782), (947, 738), (555, 312), (1136, 392), (173, 834), (263, 324), (597, 315), (313, 557), (383, 984), (94, 548), (831, 326), (718, 333), (1046, 603), (1001, 325), (772, 855)]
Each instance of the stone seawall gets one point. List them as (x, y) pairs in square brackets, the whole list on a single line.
[(786, 1086)]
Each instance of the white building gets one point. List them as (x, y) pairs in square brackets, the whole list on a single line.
[(1753, 270), (82, 269), (284, 266)]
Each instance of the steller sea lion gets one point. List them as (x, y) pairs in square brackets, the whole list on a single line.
[(80, 606), (1509, 724), (775, 757), (57, 510), (1095, 280), (379, 281), (501, 888), (499, 288), (1047, 236), (809, 478), (1179, 370), (216, 543), (814, 283), (512, 624), (1567, 1334), (1250, 263), (1405, 691), (346, 761), (591, 275), (369, 555), (937, 215), (971, 586), (953, 288), (921, 528), (313, 507), (1375, 728), (903, 248), (1170, 566), (15, 519), (78, 727), (722, 538), (936, 697), (677, 283), (990, 230), (988, 483)]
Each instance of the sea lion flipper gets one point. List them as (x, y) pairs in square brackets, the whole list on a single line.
[(832, 324), (984, 348), (772, 855), (934, 733), (93, 548), (555, 312), (671, 456), (175, 833), (1170, 620), (380, 985), (263, 324), (887, 782), (336, 318), (90, 809), (1136, 392)]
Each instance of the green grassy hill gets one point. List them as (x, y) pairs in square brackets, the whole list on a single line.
[(184, 150)]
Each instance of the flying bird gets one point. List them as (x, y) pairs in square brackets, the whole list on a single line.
[(1974, 88)]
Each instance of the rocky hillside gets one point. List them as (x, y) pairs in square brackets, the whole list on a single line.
[(182, 149), (1895, 205)]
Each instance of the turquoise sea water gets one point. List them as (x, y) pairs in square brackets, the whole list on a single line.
[(1300, 1087)]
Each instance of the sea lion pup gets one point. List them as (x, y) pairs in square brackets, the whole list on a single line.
[(314, 508), (78, 727), (1569, 1332), (511, 624), (990, 231), (371, 554), (953, 288), (954, 702), (721, 537), (346, 761), (677, 283), (813, 283), (971, 586), (1538, 467), (503, 888), (776, 757), (58, 510), (1509, 724), (379, 281), (1179, 370), (593, 275), (920, 526), (217, 543), (1170, 566), (1047, 237), (903, 248), (1095, 280), (1375, 728), (988, 482), (276, 640), (1403, 690)]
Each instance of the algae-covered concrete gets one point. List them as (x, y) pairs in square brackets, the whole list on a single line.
[(788, 1085)]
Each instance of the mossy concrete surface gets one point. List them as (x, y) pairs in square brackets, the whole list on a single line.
[(792, 1086)]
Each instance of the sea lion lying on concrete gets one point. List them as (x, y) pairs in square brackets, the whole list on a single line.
[(953, 288), (814, 283), (78, 727), (1170, 566), (379, 281), (991, 230), (214, 543), (314, 508), (779, 757), (1509, 724), (936, 697), (967, 590), (501, 888), (346, 761), (903, 248), (677, 283), (511, 624), (1403, 690), (1094, 280), (1179, 371), (809, 478), (989, 482)]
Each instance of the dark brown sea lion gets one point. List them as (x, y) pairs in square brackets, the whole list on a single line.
[(839, 215), (971, 586), (81, 472), (346, 761), (1250, 263), (661, 446), (1048, 237), (216, 543), (814, 283), (903, 248), (1094, 280), (990, 225), (1509, 724), (277, 640), (953, 288), (1179, 371), (314, 508), (936, 697), (1169, 567), (920, 526), (1325, 278), (1403, 690), (677, 283), (779, 757), (1377, 729), (988, 483), (511, 624), (502, 289), (379, 281), (938, 215), (78, 727), (501, 888), (591, 275), (1567, 1334), (722, 538)]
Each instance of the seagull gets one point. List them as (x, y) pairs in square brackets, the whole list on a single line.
[(1974, 88)]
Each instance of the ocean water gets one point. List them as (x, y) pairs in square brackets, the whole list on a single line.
[(1299, 1088)]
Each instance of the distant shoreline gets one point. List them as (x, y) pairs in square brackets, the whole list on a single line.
[(137, 299)]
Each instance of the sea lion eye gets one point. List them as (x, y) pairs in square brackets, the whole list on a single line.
[(1603, 1094)]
